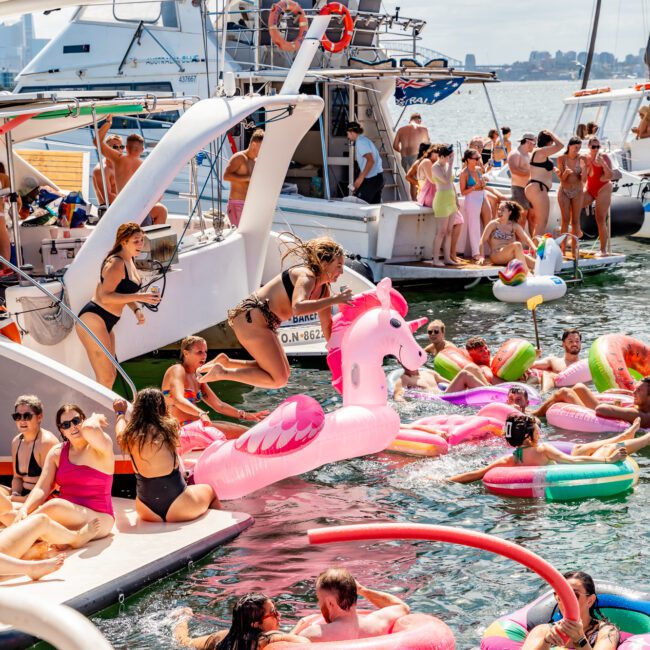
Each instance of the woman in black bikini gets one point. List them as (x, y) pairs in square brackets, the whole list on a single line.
[(541, 180), (119, 285), (592, 632), (30, 447), (151, 438), (299, 290), (255, 624)]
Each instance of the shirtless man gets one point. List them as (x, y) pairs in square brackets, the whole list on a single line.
[(238, 173), (518, 397), (407, 142), (337, 593), (519, 164), (438, 343), (552, 366), (582, 396), (114, 141), (426, 381), (125, 166)]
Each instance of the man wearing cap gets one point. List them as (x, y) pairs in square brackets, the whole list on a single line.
[(519, 164), (369, 183), (407, 142)]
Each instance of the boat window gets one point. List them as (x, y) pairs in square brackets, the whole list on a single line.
[(631, 117), (616, 126), (593, 112), (566, 125), (158, 14)]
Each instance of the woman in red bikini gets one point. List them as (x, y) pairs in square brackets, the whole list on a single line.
[(599, 189), (83, 469)]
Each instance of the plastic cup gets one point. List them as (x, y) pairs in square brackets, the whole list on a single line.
[(54, 232), (66, 234)]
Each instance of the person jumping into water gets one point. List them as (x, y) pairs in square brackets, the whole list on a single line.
[(298, 291)]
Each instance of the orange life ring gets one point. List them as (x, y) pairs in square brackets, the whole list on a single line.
[(348, 26), (292, 7), (645, 86), (10, 330), (592, 91)]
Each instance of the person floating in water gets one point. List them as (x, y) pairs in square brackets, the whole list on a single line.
[(425, 380), (298, 291)]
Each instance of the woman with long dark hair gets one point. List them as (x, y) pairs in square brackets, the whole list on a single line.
[(255, 624), (150, 438), (119, 285), (572, 170), (592, 632)]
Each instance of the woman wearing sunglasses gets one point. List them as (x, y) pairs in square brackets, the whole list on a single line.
[(592, 632), (599, 189), (83, 469), (30, 447), (255, 624)]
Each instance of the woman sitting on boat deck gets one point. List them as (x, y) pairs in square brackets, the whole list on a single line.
[(83, 469), (298, 291), (505, 237), (150, 438), (119, 285), (642, 131), (523, 433), (255, 624), (183, 392), (30, 447), (592, 632)]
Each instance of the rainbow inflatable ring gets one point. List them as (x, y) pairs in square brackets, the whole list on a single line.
[(514, 274), (611, 357), (628, 609)]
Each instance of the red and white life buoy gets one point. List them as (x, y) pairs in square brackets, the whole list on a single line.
[(592, 91), (291, 7), (644, 86), (9, 328), (348, 27)]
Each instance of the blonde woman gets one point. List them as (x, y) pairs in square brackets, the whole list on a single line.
[(297, 291)]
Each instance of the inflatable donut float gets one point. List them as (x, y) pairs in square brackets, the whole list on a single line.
[(628, 609), (581, 419), (612, 356), (513, 359), (576, 373)]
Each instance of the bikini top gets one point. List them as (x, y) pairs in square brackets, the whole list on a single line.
[(189, 394), (33, 468), (289, 286), (502, 234), (547, 164), (470, 180), (125, 285)]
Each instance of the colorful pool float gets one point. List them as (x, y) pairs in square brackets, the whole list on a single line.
[(573, 417), (628, 609), (450, 361), (576, 373), (611, 357), (513, 359)]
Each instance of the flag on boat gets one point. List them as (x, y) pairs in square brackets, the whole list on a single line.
[(418, 91)]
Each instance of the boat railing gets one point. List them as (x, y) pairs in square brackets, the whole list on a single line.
[(59, 625), (60, 303)]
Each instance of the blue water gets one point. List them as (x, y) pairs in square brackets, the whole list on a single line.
[(466, 588)]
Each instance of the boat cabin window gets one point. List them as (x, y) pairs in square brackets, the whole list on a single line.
[(158, 14), (617, 124), (593, 112), (568, 123)]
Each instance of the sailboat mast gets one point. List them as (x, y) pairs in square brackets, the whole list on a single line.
[(592, 45)]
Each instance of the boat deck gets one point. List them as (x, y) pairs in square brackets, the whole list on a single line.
[(137, 554)]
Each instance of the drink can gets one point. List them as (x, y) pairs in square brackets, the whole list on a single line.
[(154, 289)]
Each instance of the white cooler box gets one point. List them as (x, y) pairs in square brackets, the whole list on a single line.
[(57, 253)]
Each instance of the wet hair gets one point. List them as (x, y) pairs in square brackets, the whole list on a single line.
[(243, 633), (150, 423), (492, 133), (588, 585), (517, 428), (574, 139), (258, 135), (354, 127), (544, 138), (314, 253), (515, 210), (581, 131), (475, 342), (123, 234), (469, 153), (66, 408), (505, 130), (341, 583), (188, 342), (31, 401), (568, 332), (519, 390), (423, 149), (135, 137)]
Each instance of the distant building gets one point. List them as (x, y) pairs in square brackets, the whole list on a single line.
[(17, 48), (470, 62)]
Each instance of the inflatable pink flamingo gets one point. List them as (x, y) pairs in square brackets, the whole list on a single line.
[(298, 436)]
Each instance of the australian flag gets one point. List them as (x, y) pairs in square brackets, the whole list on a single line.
[(417, 91)]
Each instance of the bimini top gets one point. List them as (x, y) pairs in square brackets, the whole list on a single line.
[(34, 115)]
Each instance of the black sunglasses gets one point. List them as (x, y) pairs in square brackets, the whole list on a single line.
[(22, 416), (73, 422), (434, 331), (117, 146), (595, 146)]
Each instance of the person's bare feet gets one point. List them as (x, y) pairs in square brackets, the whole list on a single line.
[(214, 372), (40, 568), (451, 262), (437, 263), (630, 432), (86, 533)]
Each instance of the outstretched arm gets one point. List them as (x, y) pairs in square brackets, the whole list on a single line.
[(626, 413), (477, 474), (107, 151), (381, 599)]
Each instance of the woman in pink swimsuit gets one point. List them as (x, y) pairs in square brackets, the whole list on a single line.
[(83, 469)]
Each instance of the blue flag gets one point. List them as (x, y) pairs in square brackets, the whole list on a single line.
[(418, 91)]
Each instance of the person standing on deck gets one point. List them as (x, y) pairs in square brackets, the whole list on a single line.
[(519, 164), (407, 142), (368, 185), (114, 141), (238, 173)]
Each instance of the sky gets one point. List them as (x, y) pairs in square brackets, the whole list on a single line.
[(501, 31)]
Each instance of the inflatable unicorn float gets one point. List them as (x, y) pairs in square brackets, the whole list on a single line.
[(298, 436), (514, 285)]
